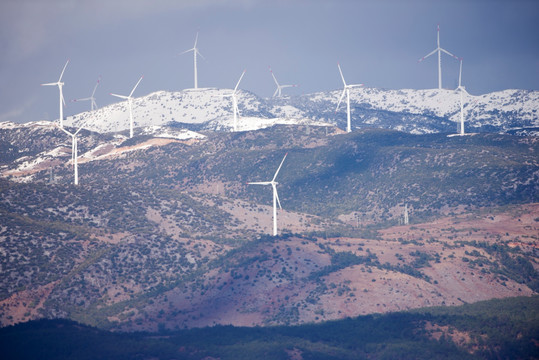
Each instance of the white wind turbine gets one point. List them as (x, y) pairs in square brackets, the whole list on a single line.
[(235, 101), (93, 104), (279, 87), (439, 50), (60, 84), (461, 90), (129, 99), (74, 152), (276, 201), (346, 90), (195, 51)]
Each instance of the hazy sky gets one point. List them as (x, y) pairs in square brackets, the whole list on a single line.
[(377, 42)]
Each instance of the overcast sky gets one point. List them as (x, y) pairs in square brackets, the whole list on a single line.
[(377, 42)]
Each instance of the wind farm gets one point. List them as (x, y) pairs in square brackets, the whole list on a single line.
[(373, 213)]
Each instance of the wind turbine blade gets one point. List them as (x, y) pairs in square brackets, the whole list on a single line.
[(354, 85), (277, 196), (259, 183), (64, 130), (64, 69), (448, 53), (276, 91), (198, 52), (63, 100), (277, 172), (138, 82), (82, 99), (186, 51), (274, 79), (120, 96), (237, 109), (241, 77), (426, 56), (50, 84), (95, 87), (342, 77), (340, 100), (196, 40)]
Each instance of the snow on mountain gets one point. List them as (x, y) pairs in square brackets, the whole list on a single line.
[(416, 111), (492, 109), (167, 132), (162, 107)]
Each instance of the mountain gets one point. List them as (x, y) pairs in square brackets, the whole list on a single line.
[(163, 232), (413, 111)]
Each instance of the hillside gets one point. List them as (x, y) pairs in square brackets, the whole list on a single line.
[(485, 330), (413, 111), (163, 232)]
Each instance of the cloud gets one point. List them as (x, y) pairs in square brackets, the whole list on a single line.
[(15, 114), (28, 26)]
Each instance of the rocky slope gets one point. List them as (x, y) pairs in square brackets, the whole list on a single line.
[(163, 231)]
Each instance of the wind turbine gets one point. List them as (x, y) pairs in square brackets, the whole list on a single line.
[(195, 51), (279, 87), (439, 50), (129, 99), (276, 201), (59, 83), (460, 74), (461, 89), (74, 150), (235, 101), (93, 104), (346, 90)]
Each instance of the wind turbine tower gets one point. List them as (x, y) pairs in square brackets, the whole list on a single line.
[(279, 87), (195, 51), (129, 99), (93, 104), (60, 84), (406, 220), (461, 89), (346, 90), (235, 102), (439, 50), (276, 201), (74, 152)]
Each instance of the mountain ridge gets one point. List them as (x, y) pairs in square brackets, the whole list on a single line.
[(414, 111)]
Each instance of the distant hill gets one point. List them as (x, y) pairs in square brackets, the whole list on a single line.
[(486, 330)]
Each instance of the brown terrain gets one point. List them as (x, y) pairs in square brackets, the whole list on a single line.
[(273, 286), (287, 281)]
